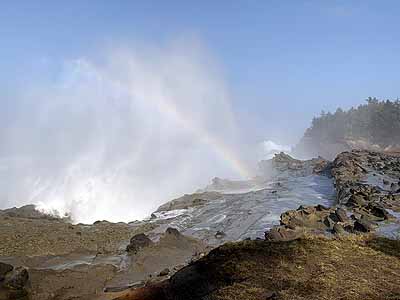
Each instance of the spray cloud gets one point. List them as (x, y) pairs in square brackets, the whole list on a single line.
[(114, 138)]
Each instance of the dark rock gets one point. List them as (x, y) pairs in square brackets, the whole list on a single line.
[(173, 231), (363, 225), (378, 211), (192, 282), (18, 279), (356, 200), (394, 186), (164, 272), (268, 295), (138, 242), (198, 202), (219, 234), (281, 234), (13, 283), (321, 207), (4, 269), (328, 222), (341, 215), (349, 228), (334, 217), (339, 229), (385, 182)]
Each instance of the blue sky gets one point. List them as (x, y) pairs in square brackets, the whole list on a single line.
[(284, 61)]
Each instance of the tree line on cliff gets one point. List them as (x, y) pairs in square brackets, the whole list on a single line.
[(377, 122)]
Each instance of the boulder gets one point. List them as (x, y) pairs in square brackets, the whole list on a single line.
[(321, 207), (378, 211), (164, 272), (14, 282), (4, 269), (356, 200), (394, 187), (282, 234), (341, 215), (219, 234), (339, 229), (138, 242), (363, 225), (328, 222), (18, 279)]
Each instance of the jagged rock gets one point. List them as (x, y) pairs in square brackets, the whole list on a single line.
[(394, 187), (283, 164), (341, 215), (322, 166), (164, 272), (329, 222), (282, 234), (378, 211), (14, 283), (321, 207), (308, 210), (363, 225), (18, 278), (356, 200), (138, 242), (304, 216), (339, 229), (4, 269), (29, 212), (191, 200)]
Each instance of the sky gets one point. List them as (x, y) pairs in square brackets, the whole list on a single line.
[(284, 61), (142, 101)]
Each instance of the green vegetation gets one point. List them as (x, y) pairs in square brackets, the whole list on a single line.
[(376, 122)]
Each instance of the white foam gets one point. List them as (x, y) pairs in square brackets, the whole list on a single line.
[(270, 148)]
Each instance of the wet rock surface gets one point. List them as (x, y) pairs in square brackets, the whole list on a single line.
[(365, 202), (115, 256), (14, 282), (292, 200), (221, 216), (366, 184)]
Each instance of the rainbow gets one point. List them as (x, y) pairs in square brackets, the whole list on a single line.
[(219, 147)]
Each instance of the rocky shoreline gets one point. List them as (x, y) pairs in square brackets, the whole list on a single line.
[(368, 195), (362, 206), (146, 260)]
